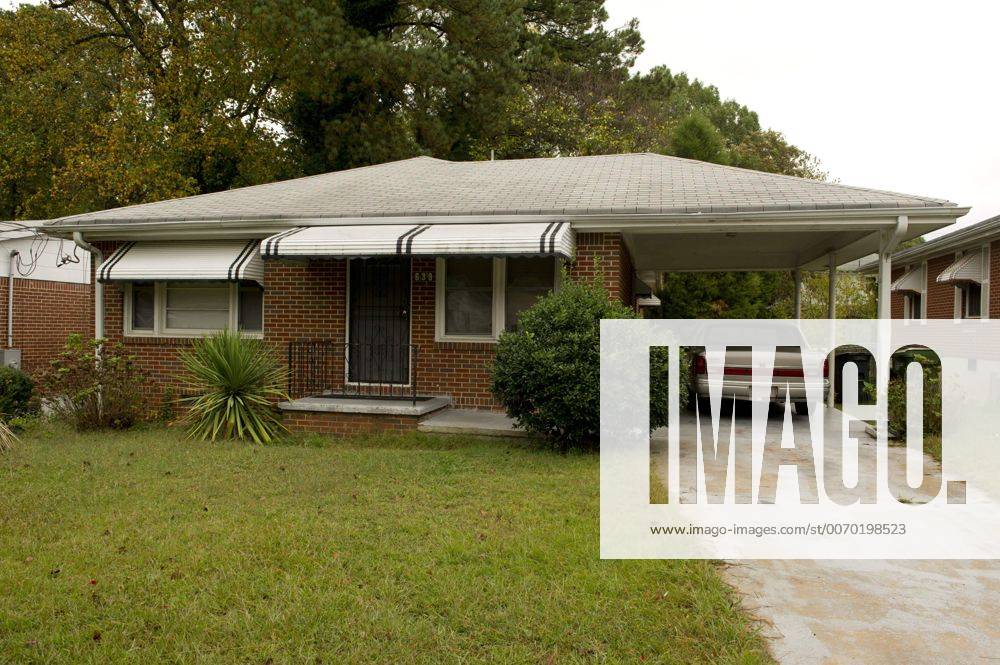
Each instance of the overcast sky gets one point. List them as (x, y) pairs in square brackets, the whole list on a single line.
[(892, 94), (897, 95)]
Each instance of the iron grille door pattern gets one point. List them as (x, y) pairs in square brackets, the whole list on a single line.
[(379, 316), (319, 368)]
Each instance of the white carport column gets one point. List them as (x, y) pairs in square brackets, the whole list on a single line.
[(832, 314), (797, 275), (888, 241)]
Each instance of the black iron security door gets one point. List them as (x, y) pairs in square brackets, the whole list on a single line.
[(379, 326)]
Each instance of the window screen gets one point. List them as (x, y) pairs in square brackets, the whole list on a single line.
[(251, 307), (468, 294), (973, 300), (143, 306), (528, 279), (192, 306)]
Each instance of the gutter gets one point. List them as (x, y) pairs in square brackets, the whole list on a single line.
[(97, 258), (596, 221), (12, 266)]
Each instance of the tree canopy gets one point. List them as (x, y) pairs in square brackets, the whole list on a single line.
[(113, 102)]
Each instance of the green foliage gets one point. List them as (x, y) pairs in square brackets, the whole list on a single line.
[(235, 381), (546, 374), (93, 385), (659, 376), (931, 397), (725, 295), (15, 392), (695, 137)]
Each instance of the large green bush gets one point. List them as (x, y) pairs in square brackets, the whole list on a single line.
[(15, 392), (94, 385), (546, 374), (234, 381), (932, 393)]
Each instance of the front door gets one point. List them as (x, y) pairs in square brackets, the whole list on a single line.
[(379, 321)]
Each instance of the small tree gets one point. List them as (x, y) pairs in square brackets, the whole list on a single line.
[(546, 374), (94, 385)]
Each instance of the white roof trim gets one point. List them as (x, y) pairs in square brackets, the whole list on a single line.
[(498, 239), (201, 260), (968, 268), (912, 281)]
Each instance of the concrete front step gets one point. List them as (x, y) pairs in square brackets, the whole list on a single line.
[(471, 422)]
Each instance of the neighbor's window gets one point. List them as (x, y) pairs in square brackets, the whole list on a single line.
[(143, 306), (473, 293), (468, 297), (973, 296), (193, 308), (528, 279), (914, 303)]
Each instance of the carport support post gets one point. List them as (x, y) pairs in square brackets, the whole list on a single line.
[(832, 314), (884, 279), (797, 275)]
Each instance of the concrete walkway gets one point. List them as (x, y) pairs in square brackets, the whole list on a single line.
[(868, 611), (471, 421)]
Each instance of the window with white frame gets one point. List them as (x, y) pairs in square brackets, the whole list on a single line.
[(914, 306), (477, 298), (972, 300), (187, 309)]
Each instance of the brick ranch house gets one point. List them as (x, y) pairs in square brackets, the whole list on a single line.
[(949, 277), (395, 280), (50, 298)]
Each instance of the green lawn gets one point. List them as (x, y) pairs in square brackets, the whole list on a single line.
[(143, 547)]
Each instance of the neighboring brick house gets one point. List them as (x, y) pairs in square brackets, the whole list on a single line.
[(950, 277), (396, 279), (51, 295)]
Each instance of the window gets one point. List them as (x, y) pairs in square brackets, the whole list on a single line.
[(972, 295), (479, 297), (189, 309), (528, 279), (143, 303), (468, 296), (914, 306)]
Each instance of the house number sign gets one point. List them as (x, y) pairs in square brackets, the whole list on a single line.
[(423, 276)]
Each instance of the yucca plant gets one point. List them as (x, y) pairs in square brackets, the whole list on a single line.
[(234, 382), (7, 437)]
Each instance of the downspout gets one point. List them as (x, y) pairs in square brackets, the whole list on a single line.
[(96, 260), (12, 266)]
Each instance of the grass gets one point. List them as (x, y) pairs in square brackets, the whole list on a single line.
[(143, 547)]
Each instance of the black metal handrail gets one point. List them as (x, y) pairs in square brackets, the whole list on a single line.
[(349, 369)]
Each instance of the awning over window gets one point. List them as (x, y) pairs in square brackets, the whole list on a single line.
[(498, 239), (968, 268), (913, 281), (210, 260)]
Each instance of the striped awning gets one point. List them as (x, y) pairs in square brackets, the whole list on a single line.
[(497, 239), (913, 281), (184, 260), (968, 268)]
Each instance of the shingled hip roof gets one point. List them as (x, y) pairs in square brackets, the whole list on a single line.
[(599, 185)]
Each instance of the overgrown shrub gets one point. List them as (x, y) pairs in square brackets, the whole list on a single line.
[(932, 394), (15, 392), (546, 374), (234, 382), (659, 404), (93, 384)]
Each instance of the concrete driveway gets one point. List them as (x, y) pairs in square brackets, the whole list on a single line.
[(867, 611)]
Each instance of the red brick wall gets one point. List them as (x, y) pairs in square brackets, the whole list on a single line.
[(308, 300), (607, 253), (45, 314), (940, 297), (995, 280), (346, 424)]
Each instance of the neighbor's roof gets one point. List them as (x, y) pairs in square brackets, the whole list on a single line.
[(423, 186), (988, 229)]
